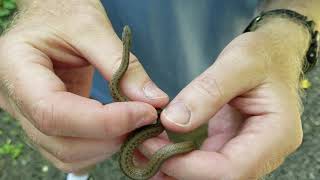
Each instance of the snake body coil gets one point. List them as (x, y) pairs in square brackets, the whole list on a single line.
[(138, 136)]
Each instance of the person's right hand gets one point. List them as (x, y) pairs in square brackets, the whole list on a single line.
[(46, 69)]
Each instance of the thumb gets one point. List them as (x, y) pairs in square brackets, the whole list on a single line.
[(103, 49), (236, 71)]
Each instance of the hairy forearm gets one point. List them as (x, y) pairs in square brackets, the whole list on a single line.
[(288, 39), (288, 43)]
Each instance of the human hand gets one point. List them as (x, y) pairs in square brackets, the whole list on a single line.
[(249, 98), (46, 68)]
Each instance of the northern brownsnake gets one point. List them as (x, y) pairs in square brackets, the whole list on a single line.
[(141, 134)]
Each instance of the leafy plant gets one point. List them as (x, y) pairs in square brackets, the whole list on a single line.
[(13, 150), (7, 9), (11, 144)]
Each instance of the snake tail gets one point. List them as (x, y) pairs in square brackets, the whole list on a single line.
[(147, 171)]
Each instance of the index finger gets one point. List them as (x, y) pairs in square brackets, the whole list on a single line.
[(42, 98), (67, 114)]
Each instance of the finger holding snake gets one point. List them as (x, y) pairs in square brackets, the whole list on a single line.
[(250, 103), (46, 74)]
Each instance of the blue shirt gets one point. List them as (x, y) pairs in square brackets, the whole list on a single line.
[(176, 40)]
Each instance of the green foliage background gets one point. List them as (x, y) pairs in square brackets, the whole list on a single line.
[(7, 9)]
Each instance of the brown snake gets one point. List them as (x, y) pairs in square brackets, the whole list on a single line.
[(138, 136)]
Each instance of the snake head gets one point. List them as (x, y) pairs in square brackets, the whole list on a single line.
[(126, 35)]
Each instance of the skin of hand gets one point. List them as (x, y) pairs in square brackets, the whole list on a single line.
[(47, 60), (250, 99)]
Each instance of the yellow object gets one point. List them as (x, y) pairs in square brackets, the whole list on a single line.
[(305, 84)]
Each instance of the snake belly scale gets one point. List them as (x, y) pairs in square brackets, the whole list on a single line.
[(138, 136)]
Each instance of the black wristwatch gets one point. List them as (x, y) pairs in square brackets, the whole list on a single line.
[(312, 55)]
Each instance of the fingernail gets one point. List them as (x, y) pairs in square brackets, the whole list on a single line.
[(178, 113), (151, 91)]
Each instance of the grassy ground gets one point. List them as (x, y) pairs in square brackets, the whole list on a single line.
[(19, 161)]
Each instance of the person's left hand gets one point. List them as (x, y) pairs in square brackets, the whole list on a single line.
[(249, 98)]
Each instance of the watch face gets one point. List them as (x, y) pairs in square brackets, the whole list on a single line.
[(312, 55)]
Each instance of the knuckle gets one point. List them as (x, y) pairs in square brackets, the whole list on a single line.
[(209, 88), (43, 117)]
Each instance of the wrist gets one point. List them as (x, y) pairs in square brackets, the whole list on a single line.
[(287, 43)]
